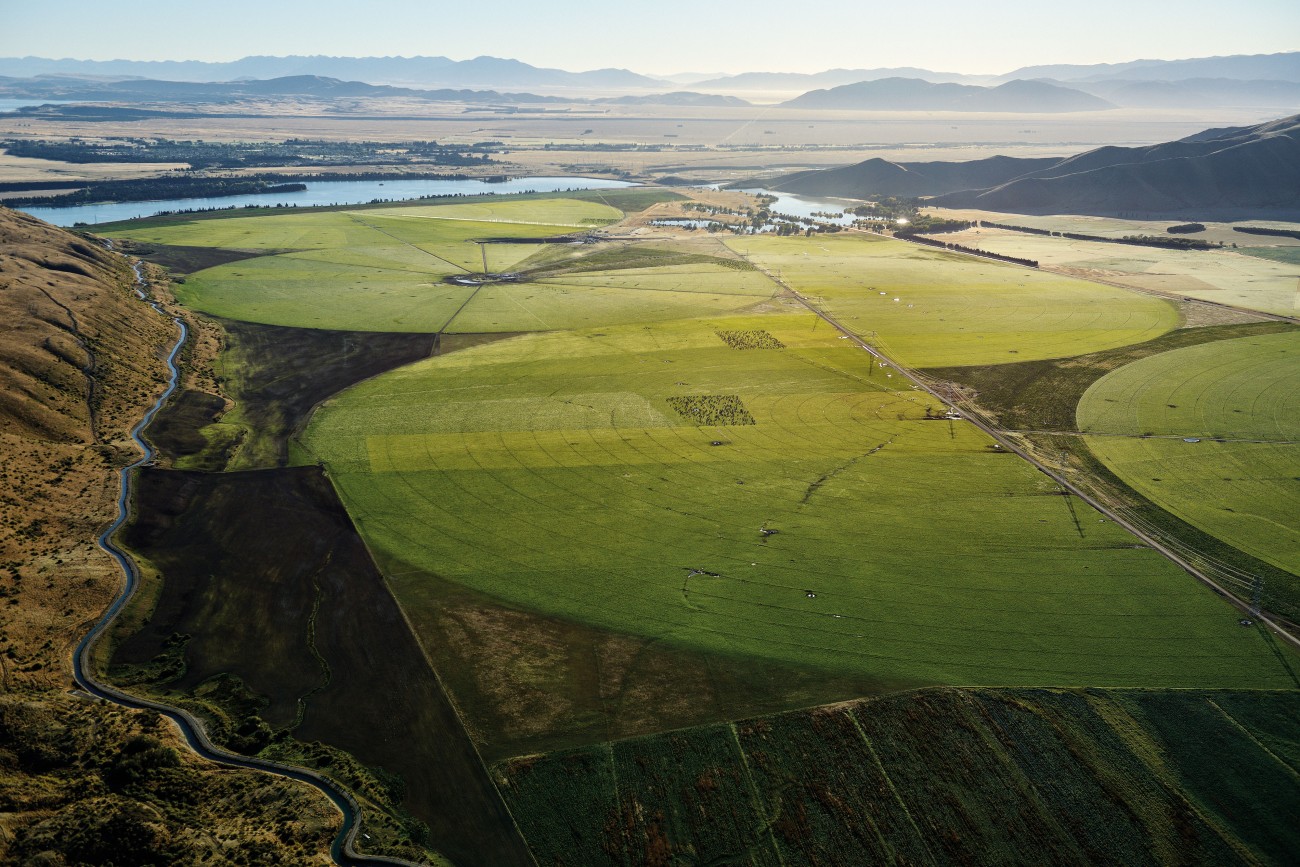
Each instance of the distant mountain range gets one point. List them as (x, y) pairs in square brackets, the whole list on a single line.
[(895, 94), (496, 72), (1270, 82), (308, 86), (794, 81), (150, 90), (493, 72), (1243, 67), (912, 94), (1195, 93), (1241, 172), (677, 97)]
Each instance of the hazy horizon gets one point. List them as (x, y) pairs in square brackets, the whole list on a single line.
[(989, 39)]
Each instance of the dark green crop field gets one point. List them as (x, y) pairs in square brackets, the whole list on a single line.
[(935, 777)]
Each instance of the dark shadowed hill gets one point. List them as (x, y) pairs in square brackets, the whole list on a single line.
[(879, 177), (1231, 172), (1240, 171), (913, 94)]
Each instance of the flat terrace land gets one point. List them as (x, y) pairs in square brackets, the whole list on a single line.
[(1240, 399), (385, 270), (1268, 280), (929, 308), (728, 143), (760, 487)]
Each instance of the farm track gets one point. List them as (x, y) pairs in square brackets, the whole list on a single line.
[(1004, 441), (343, 850)]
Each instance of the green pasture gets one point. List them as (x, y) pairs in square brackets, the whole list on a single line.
[(929, 308), (1288, 255), (319, 229), (298, 291), (384, 270), (1241, 399), (842, 530)]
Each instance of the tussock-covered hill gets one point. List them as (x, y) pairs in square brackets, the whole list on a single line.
[(81, 359), (78, 352)]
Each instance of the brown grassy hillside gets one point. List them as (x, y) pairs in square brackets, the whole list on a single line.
[(81, 359)]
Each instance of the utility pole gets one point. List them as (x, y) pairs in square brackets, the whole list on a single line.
[(1256, 595), (482, 248)]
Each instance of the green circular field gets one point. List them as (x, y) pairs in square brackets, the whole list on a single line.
[(386, 270), (1241, 400), (931, 308), (792, 503)]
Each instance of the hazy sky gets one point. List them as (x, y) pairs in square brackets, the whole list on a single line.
[(660, 36)]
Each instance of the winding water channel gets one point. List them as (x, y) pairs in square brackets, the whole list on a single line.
[(342, 850)]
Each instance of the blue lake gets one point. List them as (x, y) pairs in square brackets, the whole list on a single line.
[(15, 104), (319, 193), (807, 206)]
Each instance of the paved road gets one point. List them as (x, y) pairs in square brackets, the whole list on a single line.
[(343, 848)]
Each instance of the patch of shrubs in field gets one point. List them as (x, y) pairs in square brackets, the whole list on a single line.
[(711, 410), (756, 339)]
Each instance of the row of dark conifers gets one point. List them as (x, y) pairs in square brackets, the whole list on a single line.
[(1135, 240), (962, 248)]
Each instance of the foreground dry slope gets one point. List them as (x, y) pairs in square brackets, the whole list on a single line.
[(81, 358), (79, 363)]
